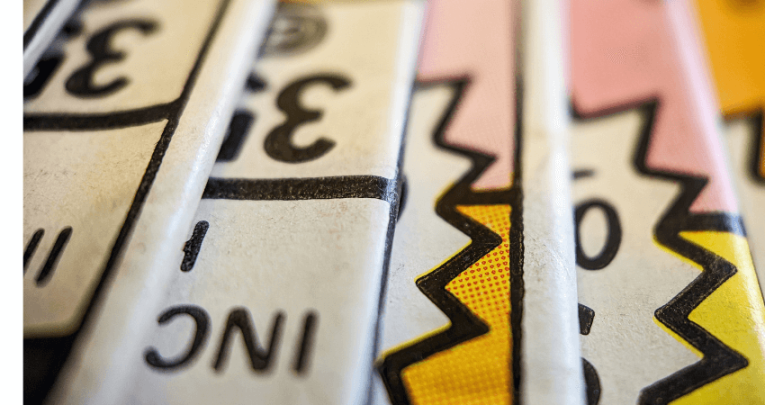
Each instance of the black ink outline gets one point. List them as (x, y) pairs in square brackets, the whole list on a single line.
[(255, 83), (45, 273), (464, 324), (201, 333), (279, 143), (32, 246), (53, 257), (310, 324), (613, 240), (591, 379), (402, 197), (193, 245), (586, 318), (582, 173), (92, 122), (260, 359), (237, 132), (80, 83), (316, 188), (591, 383), (516, 234), (47, 65), (241, 122), (392, 222), (44, 70), (40, 377), (718, 359)]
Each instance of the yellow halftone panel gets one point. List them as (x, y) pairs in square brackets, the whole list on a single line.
[(734, 33), (735, 314), (477, 371)]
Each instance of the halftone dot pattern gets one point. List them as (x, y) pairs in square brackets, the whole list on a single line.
[(477, 371)]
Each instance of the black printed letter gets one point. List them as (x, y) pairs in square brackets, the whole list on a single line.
[(81, 82), (259, 359), (613, 239), (202, 321), (279, 141)]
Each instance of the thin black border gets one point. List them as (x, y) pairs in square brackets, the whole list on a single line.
[(311, 188), (517, 286), (395, 213), (718, 359), (464, 324), (61, 346), (93, 122), (333, 187)]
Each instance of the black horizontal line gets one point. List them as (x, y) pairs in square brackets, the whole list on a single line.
[(583, 173), (319, 188), (714, 221), (90, 122)]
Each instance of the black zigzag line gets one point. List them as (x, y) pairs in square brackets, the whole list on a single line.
[(718, 359), (464, 325)]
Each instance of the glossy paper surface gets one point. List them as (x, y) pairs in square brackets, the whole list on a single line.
[(451, 331), (117, 149), (276, 296), (732, 35), (672, 311)]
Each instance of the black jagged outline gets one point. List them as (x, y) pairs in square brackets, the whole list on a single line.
[(464, 324), (718, 359)]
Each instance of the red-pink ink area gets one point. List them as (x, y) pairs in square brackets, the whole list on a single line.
[(474, 39), (626, 51)]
